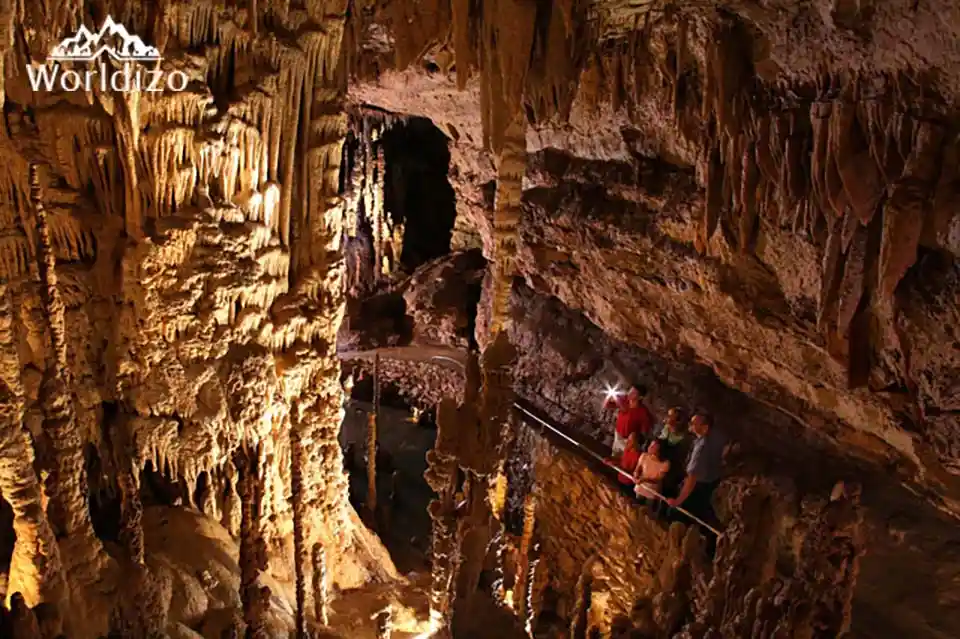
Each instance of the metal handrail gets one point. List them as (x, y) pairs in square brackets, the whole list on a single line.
[(620, 471), (595, 456)]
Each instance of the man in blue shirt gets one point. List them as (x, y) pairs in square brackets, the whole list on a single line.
[(703, 470)]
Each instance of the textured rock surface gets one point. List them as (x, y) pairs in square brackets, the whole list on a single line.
[(581, 515), (624, 237), (171, 293), (768, 189)]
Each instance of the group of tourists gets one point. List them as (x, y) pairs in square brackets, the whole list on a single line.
[(673, 466)]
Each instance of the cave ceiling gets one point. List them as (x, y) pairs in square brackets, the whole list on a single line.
[(792, 215)]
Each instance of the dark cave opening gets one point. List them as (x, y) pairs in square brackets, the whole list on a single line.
[(103, 498), (417, 191)]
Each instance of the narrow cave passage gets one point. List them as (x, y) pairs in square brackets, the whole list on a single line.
[(417, 191), (401, 207)]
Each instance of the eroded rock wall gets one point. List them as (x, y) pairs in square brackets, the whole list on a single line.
[(176, 261), (743, 204), (583, 520)]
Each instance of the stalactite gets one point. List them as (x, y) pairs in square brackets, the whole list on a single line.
[(383, 233), (127, 125), (506, 219)]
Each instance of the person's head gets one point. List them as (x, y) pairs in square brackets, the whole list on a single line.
[(654, 447), (636, 393), (673, 420), (700, 424)]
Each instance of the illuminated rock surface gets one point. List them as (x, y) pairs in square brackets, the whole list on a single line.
[(752, 207)]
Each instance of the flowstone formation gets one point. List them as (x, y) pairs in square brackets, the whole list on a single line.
[(173, 259)]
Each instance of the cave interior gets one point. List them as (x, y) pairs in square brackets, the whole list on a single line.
[(309, 308)]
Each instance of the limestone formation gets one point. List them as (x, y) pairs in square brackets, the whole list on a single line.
[(752, 206)]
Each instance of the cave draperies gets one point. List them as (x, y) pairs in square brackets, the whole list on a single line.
[(866, 165), (270, 158)]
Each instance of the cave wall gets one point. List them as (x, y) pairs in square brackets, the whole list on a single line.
[(741, 195), (580, 515), (176, 256)]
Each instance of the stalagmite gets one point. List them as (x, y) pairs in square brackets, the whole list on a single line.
[(530, 592), (745, 559), (372, 446), (35, 569), (384, 621), (139, 614), (300, 514), (253, 557), (82, 552), (131, 509), (580, 619), (23, 622), (321, 601), (441, 476), (523, 565)]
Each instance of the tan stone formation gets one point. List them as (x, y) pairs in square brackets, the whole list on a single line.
[(371, 503), (321, 578), (253, 550), (385, 624), (23, 621), (521, 589), (441, 476), (364, 196), (177, 255), (35, 568), (85, 561), (532, 590), (215, 310), (583, 596)]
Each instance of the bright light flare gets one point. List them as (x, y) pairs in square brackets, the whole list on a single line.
[(613, 391)]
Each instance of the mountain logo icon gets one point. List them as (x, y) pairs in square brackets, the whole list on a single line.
[(113, 39)]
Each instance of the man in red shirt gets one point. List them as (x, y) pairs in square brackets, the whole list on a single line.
[(633, 418)]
